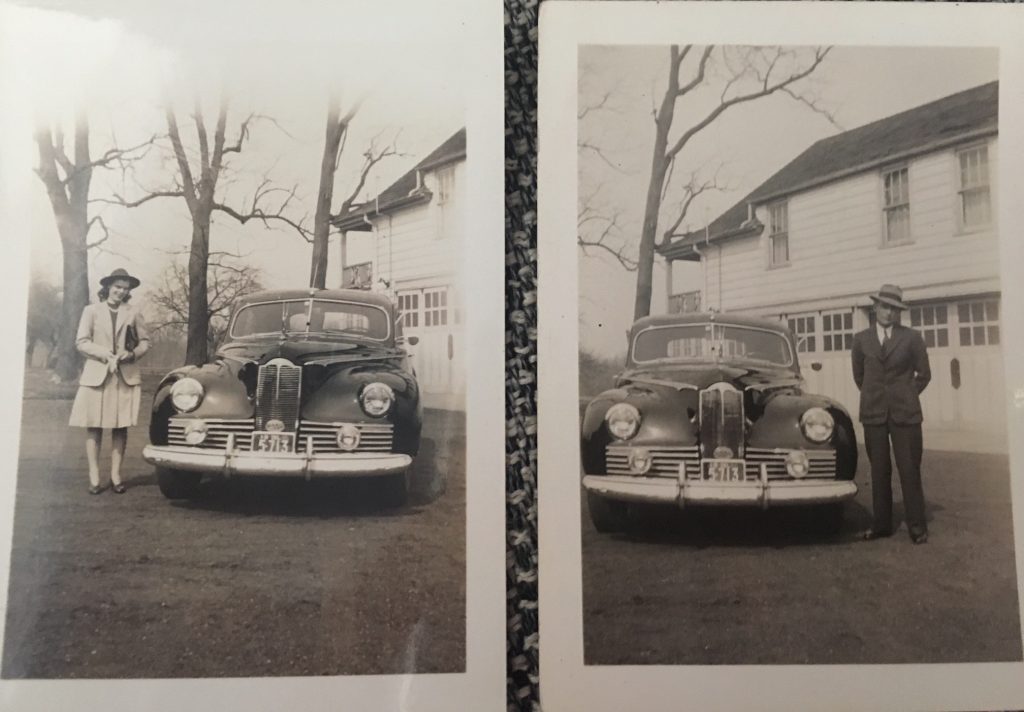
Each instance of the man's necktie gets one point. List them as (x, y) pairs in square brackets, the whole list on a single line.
[(885, 338)]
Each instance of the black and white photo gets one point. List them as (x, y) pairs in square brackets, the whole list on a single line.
[(253, 241), (790, 292)]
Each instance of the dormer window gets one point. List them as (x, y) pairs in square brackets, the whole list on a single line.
[(778, 234)]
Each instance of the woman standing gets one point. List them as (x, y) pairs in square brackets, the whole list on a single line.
[(112, 336)]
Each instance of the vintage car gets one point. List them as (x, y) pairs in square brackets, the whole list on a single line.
[(710, 410), (308, 384)]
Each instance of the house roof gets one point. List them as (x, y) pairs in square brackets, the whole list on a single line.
[(953, 119), (406, 190)]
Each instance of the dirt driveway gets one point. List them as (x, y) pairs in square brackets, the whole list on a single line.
[(745, 587), (255, 578)]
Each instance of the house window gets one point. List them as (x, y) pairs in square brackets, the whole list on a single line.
[(896, 188), (837, 331), (409, 309), (932, 323), (805, 330), (778, 234), (979, 322), (975, 208), (435, 307)]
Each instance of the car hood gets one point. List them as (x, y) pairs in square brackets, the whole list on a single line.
[(701, 376)]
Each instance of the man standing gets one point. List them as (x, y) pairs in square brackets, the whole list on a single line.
[(890, 367)]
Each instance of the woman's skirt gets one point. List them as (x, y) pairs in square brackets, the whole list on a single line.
[(115, 404)]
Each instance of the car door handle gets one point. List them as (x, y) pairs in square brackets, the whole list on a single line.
[(954, 372)]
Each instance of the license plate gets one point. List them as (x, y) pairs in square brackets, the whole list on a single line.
[(724, 470), (273, 442)]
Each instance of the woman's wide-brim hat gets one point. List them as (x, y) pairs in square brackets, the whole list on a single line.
[(120, 273), (890, 294)]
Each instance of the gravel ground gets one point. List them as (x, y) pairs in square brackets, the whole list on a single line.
[(746, 587), (256, 578)]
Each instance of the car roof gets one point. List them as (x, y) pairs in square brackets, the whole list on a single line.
[(705, 317), (348, 295)]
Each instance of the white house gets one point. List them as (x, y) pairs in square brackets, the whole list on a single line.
[(909, 199), (406, 242)]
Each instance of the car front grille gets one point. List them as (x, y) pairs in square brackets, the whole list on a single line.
[(820, 463), (277, 394), (217, 431), (666, 461), (722, 428), (373, 437)]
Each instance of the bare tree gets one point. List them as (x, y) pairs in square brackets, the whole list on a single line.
[(335, 137), (67, 182), (745, 74), (228, 280), (197, 185)]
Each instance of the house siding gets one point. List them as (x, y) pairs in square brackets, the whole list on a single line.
[(836, 244)]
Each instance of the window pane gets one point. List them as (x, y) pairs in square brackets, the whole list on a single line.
[(929, 338), (929, 316), (963, 312), (943, 337), (848, 321), (978, 311), (965, 336), (940, 314), (810, 344), (975, 207), (979, 335), (915, 317), (993, 334), (992, 311), (826, 322)]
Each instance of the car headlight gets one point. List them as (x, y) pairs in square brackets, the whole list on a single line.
[(186, 395), (623, 420), (817, 425), (376, 399)]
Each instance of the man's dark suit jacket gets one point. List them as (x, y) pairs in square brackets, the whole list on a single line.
[(890, 378)]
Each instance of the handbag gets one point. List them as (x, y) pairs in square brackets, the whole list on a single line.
[(131, 338)]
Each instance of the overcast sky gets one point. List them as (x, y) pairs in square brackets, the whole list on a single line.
[(746, 145), (121, 61)]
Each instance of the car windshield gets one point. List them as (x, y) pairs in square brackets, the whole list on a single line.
[(312, 316), (711, 342)]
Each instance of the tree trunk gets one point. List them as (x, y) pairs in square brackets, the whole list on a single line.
[(68, 361), (70, 202), (652, 207), (197, 344), (324, 197)]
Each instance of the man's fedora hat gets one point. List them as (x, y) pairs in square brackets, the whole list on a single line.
[(890, 294), (120, 273)]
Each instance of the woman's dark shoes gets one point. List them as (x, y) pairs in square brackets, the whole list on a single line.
[(872, 534), (95, 489), (919, 537), (119, 488)]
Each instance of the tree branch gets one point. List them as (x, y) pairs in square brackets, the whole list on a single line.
[(765, 90)]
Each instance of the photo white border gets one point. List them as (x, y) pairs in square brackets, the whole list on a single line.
[(566, 684), (482, 686)]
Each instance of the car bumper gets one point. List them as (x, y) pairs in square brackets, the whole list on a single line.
[(228, 463), (770, 493)]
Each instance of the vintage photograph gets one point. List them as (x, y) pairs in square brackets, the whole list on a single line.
[(243, 438), (805, 423)]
